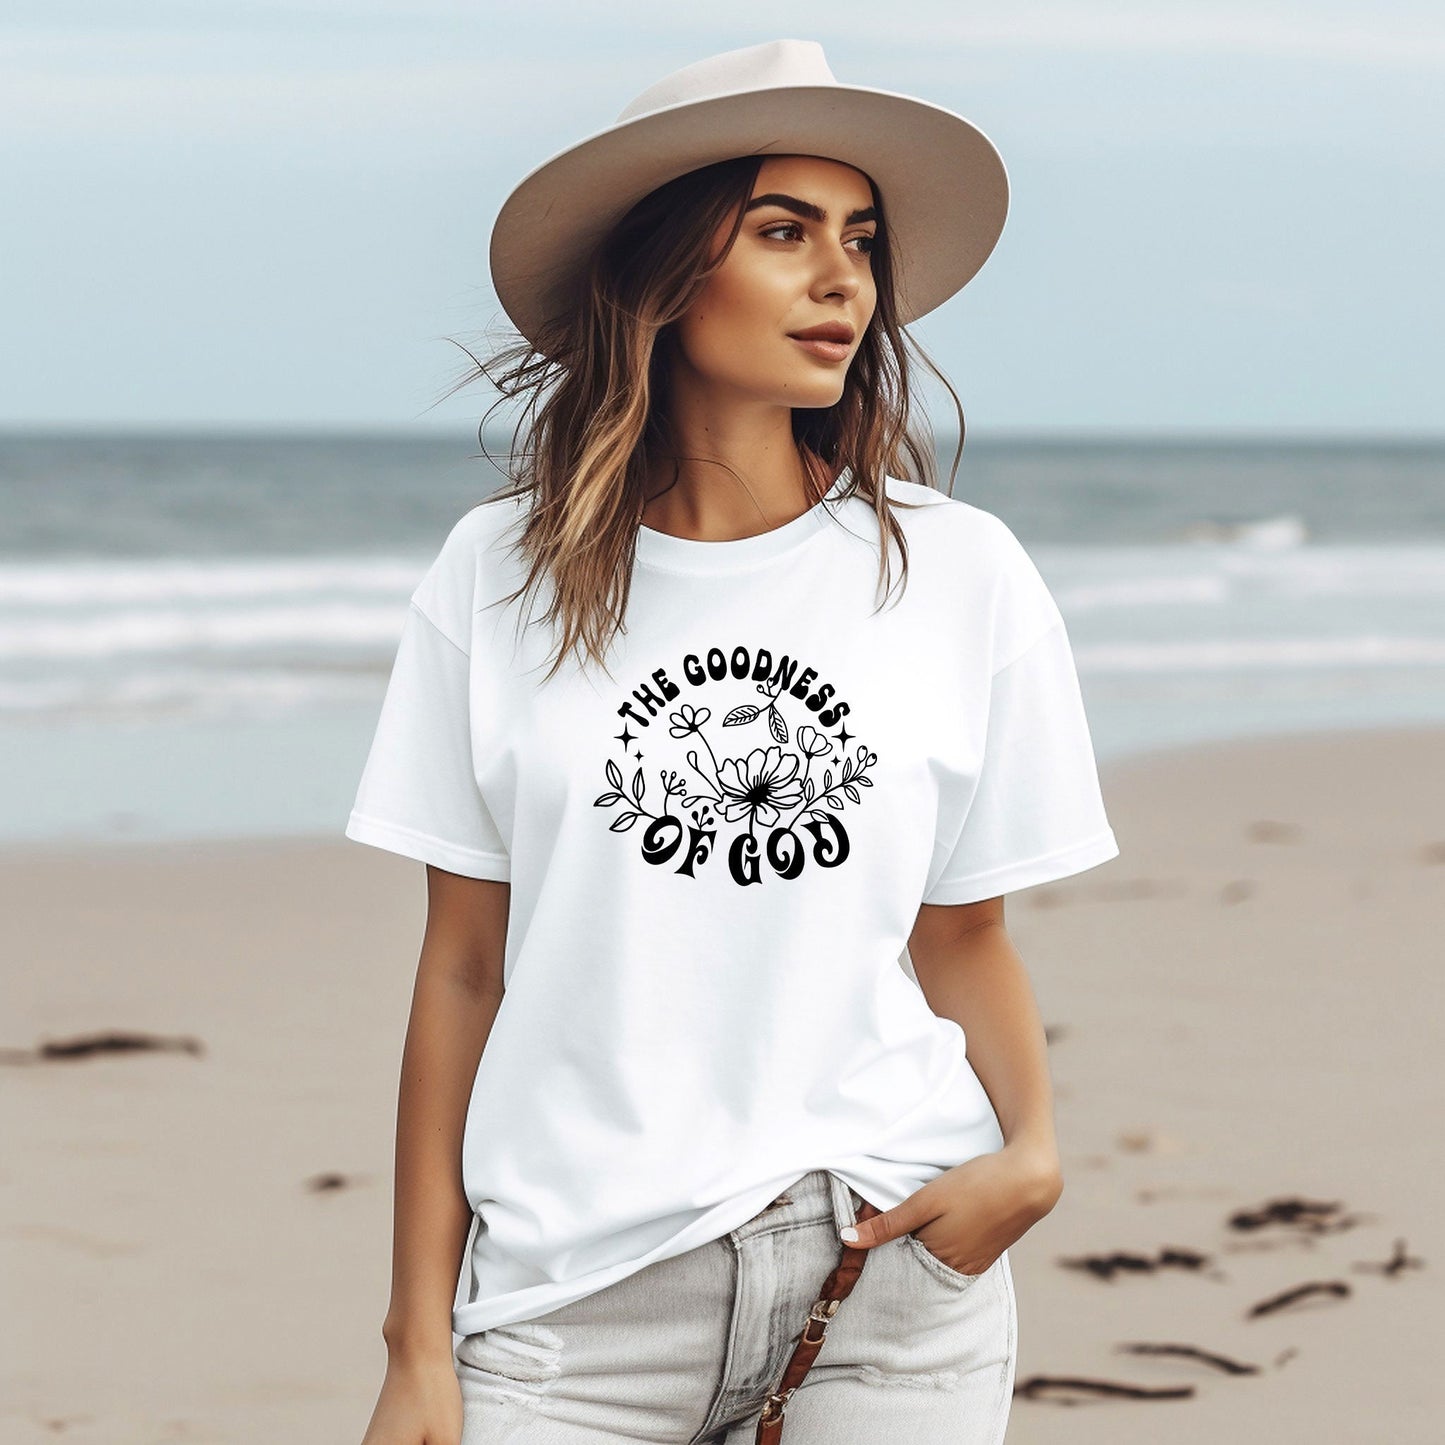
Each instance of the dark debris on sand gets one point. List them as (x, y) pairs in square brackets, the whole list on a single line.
[(107, 1041), (1289, 1214)]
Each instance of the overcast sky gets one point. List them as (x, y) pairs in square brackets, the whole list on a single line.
[(1224, 216)]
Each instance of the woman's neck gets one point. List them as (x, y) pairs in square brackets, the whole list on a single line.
[(738, 470)]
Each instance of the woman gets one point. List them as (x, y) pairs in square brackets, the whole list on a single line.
[(665, 1048)]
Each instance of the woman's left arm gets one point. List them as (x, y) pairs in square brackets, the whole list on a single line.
[(970, 972)]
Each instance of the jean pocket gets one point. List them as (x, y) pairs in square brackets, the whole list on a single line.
[(935, 1266), (522, 1356)]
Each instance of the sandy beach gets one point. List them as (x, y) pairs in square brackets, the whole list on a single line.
[(1245, 1020)]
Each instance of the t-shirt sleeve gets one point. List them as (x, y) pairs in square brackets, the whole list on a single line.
[(1036, 812), (418, 794)]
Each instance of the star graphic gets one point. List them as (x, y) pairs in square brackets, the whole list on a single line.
[(843, 735), (624, 737)]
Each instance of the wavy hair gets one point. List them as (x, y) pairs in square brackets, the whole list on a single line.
[(595, 420)]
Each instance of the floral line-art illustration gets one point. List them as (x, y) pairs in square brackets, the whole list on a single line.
[(787, 800)]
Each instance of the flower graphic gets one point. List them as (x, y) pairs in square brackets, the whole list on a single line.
[(760, 785), (688, 720), (812, 742)]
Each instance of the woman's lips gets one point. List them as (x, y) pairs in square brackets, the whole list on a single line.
[(824, 350)]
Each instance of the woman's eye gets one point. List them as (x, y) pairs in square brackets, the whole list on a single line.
[(794, 231)]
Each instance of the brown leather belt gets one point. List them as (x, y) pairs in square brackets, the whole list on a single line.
[(810, 1340)]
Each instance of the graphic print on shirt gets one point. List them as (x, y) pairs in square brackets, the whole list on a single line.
[(774, 783)]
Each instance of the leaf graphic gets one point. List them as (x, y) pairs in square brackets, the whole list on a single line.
[(809, 788), (777, 725), (606, 800), (827, 779), (852, 792), (638, 785), (623, 821), (830, 800), (743, 714), (614, 775)]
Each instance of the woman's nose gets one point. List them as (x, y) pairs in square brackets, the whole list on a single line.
[(838, 277)]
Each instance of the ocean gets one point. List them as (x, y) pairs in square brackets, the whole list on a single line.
[(196, 631)]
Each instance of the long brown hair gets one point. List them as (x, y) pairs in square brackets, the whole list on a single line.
[(596, 421)]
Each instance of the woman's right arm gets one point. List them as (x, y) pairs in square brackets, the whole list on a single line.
[(454, 1003)]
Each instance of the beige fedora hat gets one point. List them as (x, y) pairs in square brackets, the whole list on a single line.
[(943, 183)]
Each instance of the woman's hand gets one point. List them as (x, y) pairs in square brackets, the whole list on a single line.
[(970, 1214), (420, 1403)]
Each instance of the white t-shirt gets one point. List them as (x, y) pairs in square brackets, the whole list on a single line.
[(716, 857)]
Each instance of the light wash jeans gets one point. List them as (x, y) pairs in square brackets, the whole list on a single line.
[(683, 1351)]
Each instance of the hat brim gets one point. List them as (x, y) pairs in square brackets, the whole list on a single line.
[(943, 183)]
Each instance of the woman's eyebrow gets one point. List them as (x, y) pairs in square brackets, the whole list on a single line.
[(808, 209)]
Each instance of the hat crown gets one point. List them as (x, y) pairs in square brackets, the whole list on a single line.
[(755, 67)]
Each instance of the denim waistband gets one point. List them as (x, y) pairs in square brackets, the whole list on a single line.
[(818, 1196)]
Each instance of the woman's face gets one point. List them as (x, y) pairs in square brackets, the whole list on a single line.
[(800, 261)]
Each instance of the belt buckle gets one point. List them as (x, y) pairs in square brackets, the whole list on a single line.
[(773, 1405)]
